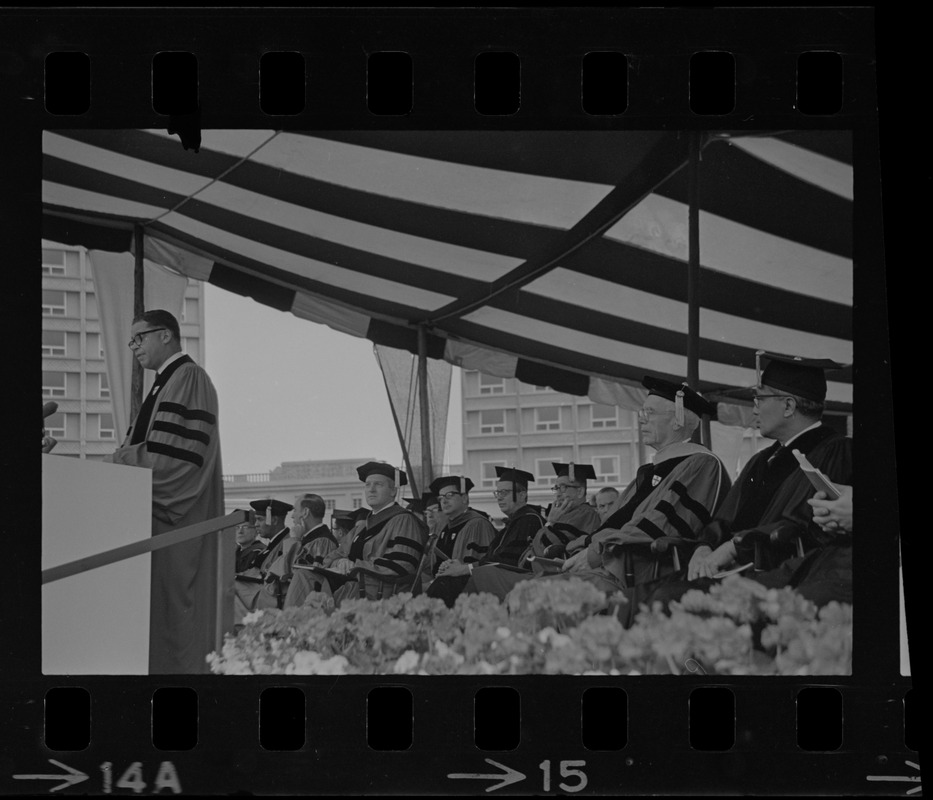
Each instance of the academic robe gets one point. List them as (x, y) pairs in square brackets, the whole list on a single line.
[(766, 511), (180, 443), (466, 538), (576, 522), (248, 557), (314, 546), (390, 542), (674, 496), (768, 504), (506, 548)]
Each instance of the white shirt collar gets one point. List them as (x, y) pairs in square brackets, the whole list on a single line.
[(797, 435), (169, 360)]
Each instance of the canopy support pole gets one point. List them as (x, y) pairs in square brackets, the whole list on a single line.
[(139, 306), (693, 276), (427, 462)]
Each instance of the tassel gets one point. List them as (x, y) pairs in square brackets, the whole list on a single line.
[(269, 512), (679, 407), (758, 355), (570, 474), (462, 485)]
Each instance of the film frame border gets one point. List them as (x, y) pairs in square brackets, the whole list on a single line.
[(343, 35)]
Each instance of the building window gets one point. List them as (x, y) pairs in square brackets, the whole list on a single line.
[(357, 502), (104, 385), (544, 471), (106, 426), (489, 384), (488, 473), (55, 425), (607, 469), (604, 416), (53, 343), (329, 504), (492, 421), (189, 310), (547, 418), (53, 384), (53, 303), (53, 262)]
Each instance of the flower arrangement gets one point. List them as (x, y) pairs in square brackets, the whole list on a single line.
[(546, 627)]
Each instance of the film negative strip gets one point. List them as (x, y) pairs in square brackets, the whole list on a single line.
[(559, 101)]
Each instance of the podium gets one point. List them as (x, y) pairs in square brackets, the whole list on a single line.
[(96, 622)]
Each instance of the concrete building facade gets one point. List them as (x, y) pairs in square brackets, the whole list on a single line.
[(510, 423)]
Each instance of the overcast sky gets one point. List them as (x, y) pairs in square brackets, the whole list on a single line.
[(293, 390)]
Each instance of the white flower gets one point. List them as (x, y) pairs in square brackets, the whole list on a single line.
[(253, 616), (502, 632), (407, 662)]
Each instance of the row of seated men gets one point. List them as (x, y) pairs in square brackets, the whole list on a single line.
[(679, 524)]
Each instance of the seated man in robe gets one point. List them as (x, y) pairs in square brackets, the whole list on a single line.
[(315, 541), (389, 542), (523, 522), (671, 498), (467, 534), (260, 585), (767, 510)]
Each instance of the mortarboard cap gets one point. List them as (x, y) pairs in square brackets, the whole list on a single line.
[(576, 472), (514, 475), (461, 483), (271, 508), (343, 514), (689, 398), (414, 504), (382, 468), (804, 377), (428, 499)]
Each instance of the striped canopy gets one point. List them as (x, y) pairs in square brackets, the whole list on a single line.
[(559, 258)]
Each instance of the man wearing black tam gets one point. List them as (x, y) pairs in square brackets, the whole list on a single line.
[(388, 542), (524, 521), (766, 511), (467, 534)]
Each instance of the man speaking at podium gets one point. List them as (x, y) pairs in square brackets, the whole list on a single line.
[(175, 436)]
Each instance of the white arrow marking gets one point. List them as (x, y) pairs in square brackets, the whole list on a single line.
[(74, 776), (900, 778), (505, 778)]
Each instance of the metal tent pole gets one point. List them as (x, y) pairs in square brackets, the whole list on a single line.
[(139, 306), (427, 464)]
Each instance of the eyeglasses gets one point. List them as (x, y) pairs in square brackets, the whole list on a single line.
[(448, 495), (758, 397), (500, 493), (137, 340), (647, 413), (563, 487)]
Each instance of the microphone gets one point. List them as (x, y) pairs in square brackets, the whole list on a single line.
[(49, 408)]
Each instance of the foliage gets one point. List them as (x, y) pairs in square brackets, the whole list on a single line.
[(558, 626)]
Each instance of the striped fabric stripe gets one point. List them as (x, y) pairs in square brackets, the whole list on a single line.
[(175, 452), (387, 563), (404, 541), (180, 430), (188, 413), (698, 509), (677, 522)]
